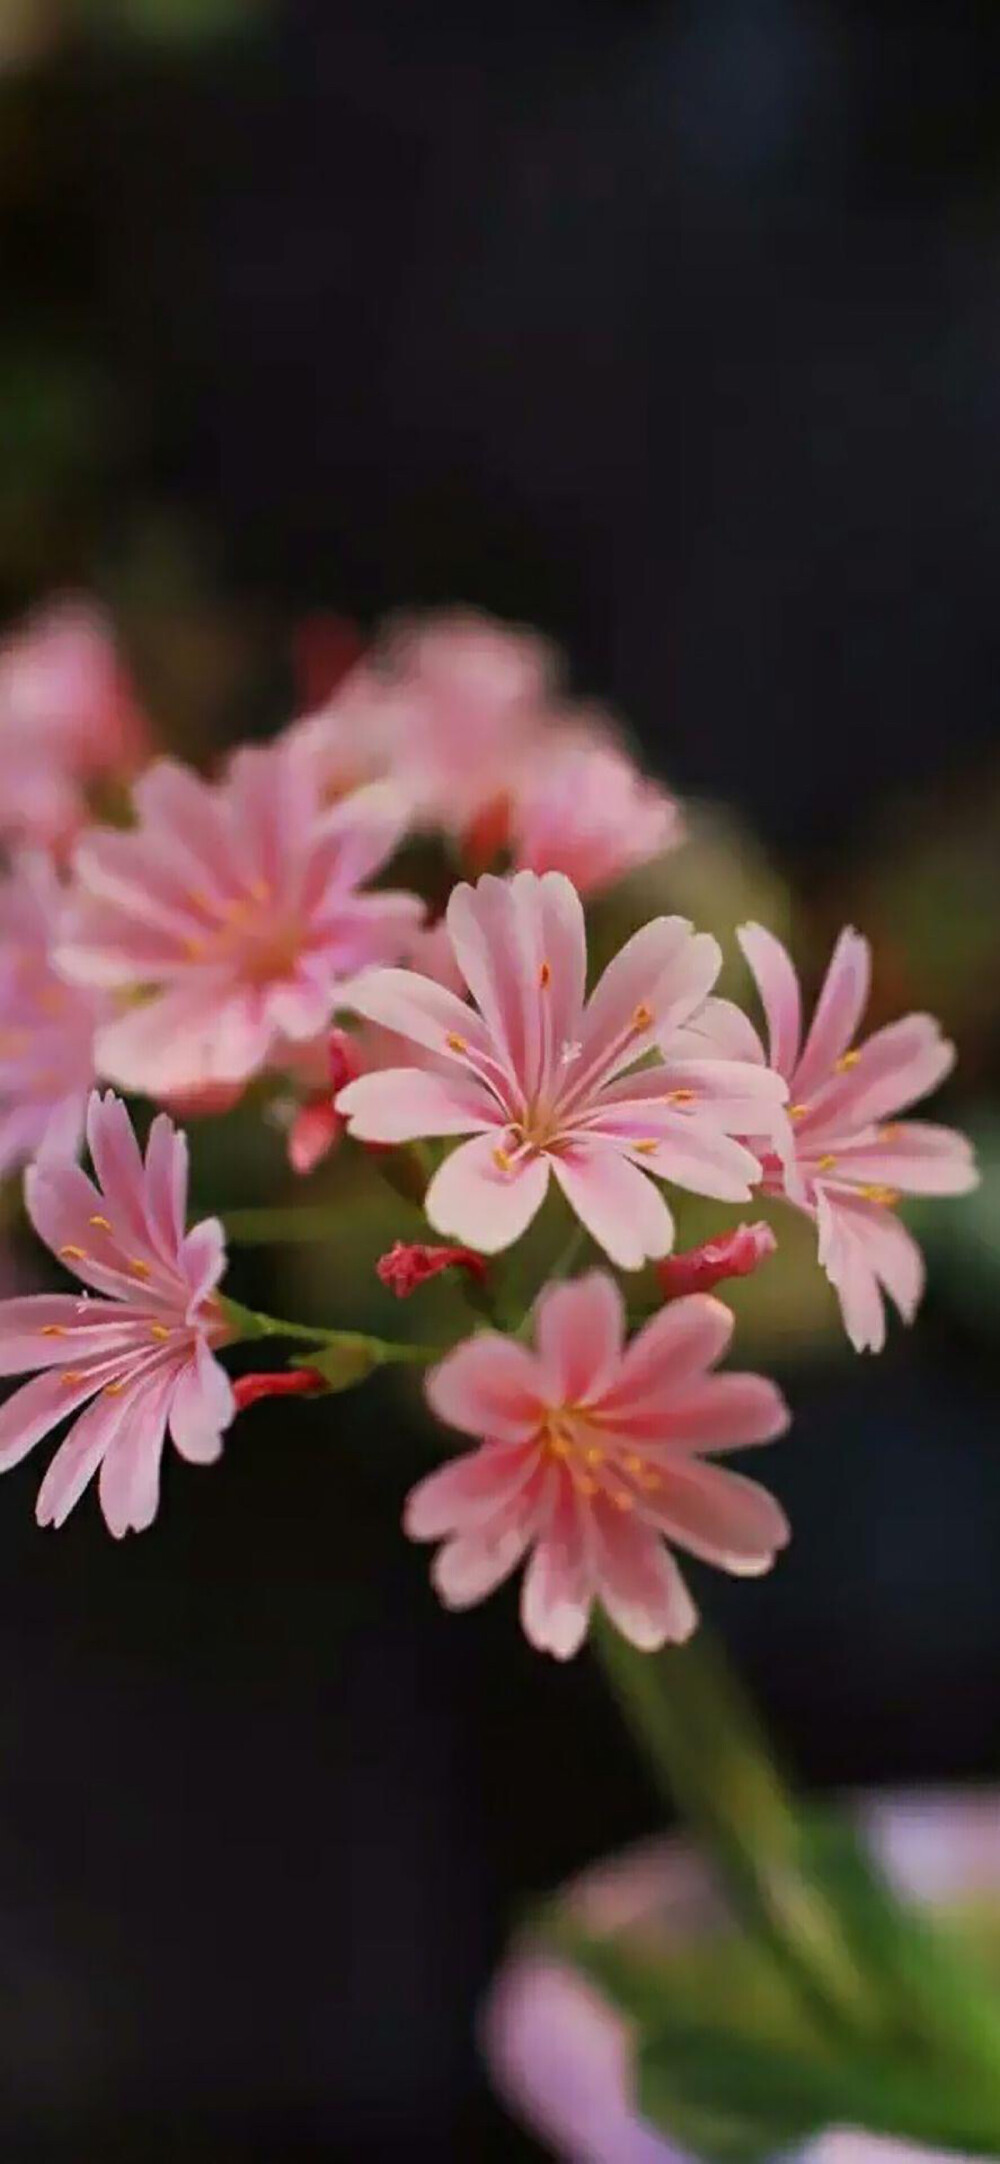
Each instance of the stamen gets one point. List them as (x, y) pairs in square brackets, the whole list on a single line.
[(890, 1133), (52, 1329), (70, 1377), (559, 1445), (594, 1456), (113, 1390), (138, 1267), (826, 1163), (887, 1197), (502, 1160), (846, 1061), (195, 949), (159, 1330), (545, 975), (642, 1017), (73, 1254), (680, 1097), (647, 1147), (585, 1484), (634, 1464), (455, 1043), (620, 1499), (797, 1112), (103, 1223)]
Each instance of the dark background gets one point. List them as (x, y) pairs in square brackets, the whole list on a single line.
[(673, 329)]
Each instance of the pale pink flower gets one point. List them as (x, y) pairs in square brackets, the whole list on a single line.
[(582, 807), (46, 1025), (591, 1457), (229, 917), (545, 1081), (138, 1358), (69, 720), (845, 1157)]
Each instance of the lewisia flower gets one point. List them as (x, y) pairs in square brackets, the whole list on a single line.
[(847, 1159), (582, 807), (545, 1082), (140, 1357), (68, 719), (230, 917), (590, 1458), (46, 1025)]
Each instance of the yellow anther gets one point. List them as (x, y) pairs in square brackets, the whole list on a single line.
[(138, 1267), (113, 1390), (634, 1464), (886, 1196), (680, 1097), (594, 1456), (455, 1043), (70, 1377), (846, 1061), (559, 1445), (890, 1133), (73, 1254), (52, 1329), (620, 1499), (643, 1016), (501, 1160), (826, 1164), (647, 1146), (545, 975), (159, 1330), (585, 1484), (103, 1223), (797, 1112)]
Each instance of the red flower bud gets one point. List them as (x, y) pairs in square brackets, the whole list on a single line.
[(344, 1059), (404, 1268), (281, 1383), (734, 1254)]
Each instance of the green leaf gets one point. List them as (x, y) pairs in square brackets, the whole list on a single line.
[(734, 2097)]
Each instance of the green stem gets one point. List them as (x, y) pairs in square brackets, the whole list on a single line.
[(710, 1761)]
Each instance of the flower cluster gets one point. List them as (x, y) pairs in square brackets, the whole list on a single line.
[(252, 927)]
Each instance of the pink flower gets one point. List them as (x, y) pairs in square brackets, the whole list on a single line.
[(581, 807), (229, 917), (733, 1254), (68, 719), (140, 1357), (46, 1025), (590, 1457), (846, 1159), (542, 1081)]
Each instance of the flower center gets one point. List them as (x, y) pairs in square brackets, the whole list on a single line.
[(570, 1438)]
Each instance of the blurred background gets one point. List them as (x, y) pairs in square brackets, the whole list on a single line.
[(673, 330)]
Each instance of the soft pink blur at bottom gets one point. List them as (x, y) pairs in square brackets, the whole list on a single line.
[(559, 2055)]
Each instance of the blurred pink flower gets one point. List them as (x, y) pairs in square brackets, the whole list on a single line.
[(140, 1357), (845, 1158), (230, 917), (68, 719), (583, 808), (46, 1025), (539, 1078), (591, 1456)]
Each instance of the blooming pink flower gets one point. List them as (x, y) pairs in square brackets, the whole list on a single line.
[(590, 1456), (68, 719), (140, 1357), (46, 1025), (544, 1082), (845, 1158), (733, 1254), (581, 807), (229, 917)]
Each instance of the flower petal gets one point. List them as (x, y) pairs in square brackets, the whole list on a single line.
[(474, 1200), (201, 1407), (915, 1156), (416, 1007), (778, 985), (471, 1566), (469, 1491), (684, 1340), (557, 1589), (579, 1332), (77, 1459), (839, 1009), (35, 1409), (130, 1469), (619, 1206), (401, 1104), (639, 1583), (893, 1069), (849, 1267), (666, 970), (489, 1386), (889, 1249), (720, 1517)]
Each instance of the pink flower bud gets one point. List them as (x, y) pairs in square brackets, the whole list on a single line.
[(284, 1383), (315, 1131), (404, 1268), (734, 1254)]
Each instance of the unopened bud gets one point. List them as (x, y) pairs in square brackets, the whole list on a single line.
[(733, 1254)]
